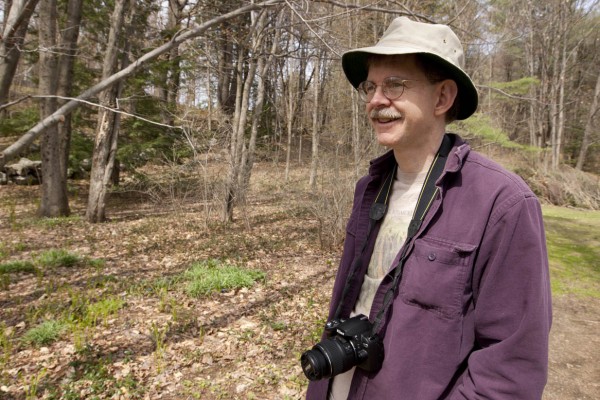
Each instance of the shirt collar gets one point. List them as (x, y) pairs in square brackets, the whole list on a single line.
[(456, 158)]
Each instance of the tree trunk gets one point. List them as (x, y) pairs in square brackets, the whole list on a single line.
[(12, 37), (65, 78), (226, 79), (263, 68), (231, 180), (290, 108), (314, 163), (561, 103), (240, 119), (105, 145), (589, 126), (54, 201)]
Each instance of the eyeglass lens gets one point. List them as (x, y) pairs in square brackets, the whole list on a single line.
[(392, 88)]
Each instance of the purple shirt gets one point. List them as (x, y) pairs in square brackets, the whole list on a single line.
[(472, 316)]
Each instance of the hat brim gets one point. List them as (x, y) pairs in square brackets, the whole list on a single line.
[(354, 64)]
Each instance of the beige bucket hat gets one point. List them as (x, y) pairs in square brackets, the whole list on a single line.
[(405, 36)]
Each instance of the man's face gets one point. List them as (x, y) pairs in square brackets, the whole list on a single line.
[(408, 121)]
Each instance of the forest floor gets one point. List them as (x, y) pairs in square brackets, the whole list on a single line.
[(150, 339)]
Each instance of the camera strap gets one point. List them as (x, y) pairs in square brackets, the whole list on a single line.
[(426, 197), (378, 211)]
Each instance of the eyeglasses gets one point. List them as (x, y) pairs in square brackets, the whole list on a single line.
[(392, 87)]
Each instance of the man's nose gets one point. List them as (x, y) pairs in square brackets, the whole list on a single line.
[(379, 97)]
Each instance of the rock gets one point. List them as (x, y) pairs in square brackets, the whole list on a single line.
[(25, 172), (24, 167)]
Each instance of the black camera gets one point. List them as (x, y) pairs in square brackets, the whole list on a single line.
[(349, 343)]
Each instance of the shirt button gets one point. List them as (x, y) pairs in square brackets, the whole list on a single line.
[(431, 257)]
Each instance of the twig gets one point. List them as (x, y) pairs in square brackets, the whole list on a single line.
[(12, 103), (512, 96), (115, 110)]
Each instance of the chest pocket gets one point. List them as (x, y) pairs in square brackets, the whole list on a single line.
[(436, 276)]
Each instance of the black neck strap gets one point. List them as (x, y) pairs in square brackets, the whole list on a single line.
[(377, 212)]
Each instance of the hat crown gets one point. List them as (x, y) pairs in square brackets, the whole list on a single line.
[(424, 38)]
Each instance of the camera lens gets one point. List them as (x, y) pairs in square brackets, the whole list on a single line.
[(328, 358), (314, 364)]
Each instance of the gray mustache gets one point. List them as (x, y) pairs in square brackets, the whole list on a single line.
[(384, 113)]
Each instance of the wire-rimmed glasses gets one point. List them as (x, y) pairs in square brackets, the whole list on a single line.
[(392, 87)]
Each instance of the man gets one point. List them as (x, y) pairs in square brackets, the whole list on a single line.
[(470, 312)]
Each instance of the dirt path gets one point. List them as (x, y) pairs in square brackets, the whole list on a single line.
[(574, 350)]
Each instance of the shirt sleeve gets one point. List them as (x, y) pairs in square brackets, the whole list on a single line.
[(512, 307)]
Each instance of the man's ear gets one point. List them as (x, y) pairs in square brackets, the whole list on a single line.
[(447, 92)]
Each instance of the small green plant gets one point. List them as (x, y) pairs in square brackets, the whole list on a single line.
[(6, 344), (45, 333), (12, 215), (12, 267), (213, 276), (21, 246), (101, 310), (96, 263), (278, 326), (158, 336), (57, 258), (33, 385), (317, 330)]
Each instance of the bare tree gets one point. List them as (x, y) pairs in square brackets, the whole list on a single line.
[(168, 87), (589, 126), (263, 68), (244, 88), (68, 46), (318, 88), (107, 131), (54, 201)]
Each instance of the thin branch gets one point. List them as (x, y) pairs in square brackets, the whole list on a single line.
[(311, 29), (406, 11), (12, 103), (512, 96), (115, 110)]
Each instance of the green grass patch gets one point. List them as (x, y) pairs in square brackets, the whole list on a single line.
[(573, 238), (57, 258), (46, 260), (45, 333), (214, 276), (57, 221), (17, 266)]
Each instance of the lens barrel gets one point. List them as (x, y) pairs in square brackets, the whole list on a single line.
[(315, 365), (328, 358)]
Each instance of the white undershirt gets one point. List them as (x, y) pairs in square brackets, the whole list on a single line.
[(391, 236)]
